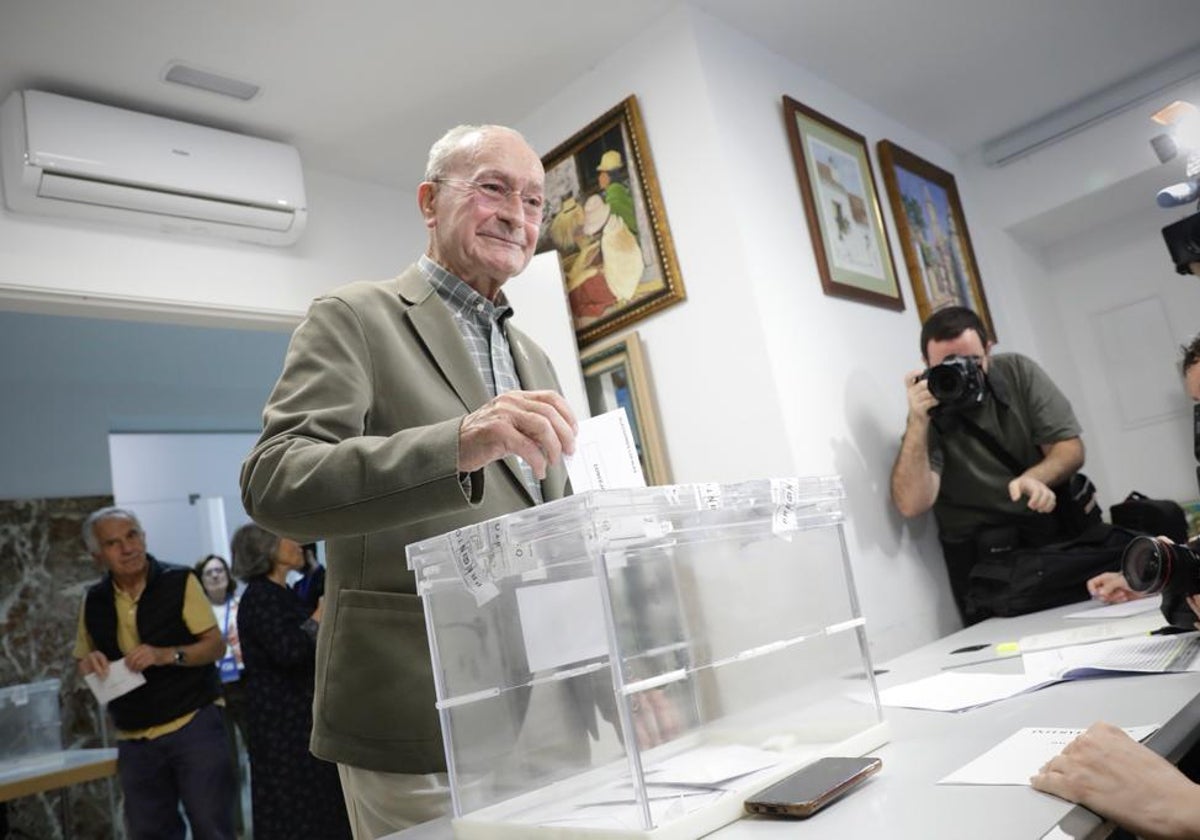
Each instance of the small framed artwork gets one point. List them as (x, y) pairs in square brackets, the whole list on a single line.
[(605, 218), (933, 234), (615, 376), (841, 203)]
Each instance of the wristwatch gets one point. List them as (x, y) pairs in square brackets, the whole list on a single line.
[(180, 656)]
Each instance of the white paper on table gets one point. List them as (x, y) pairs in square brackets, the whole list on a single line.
[(1136, 655), (624, 816), (951, 691), (605, 454), (675, 786), (622, 793), (120, 681), (710, 765), (1019, 756), (1142, 605)]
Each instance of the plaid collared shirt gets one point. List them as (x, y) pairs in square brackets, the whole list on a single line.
[(481, 325)]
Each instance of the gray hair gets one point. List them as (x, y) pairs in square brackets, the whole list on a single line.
[(88, 529), (253, 551), (458, 141)]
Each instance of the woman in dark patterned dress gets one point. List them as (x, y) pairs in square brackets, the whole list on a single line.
[(293, 793)]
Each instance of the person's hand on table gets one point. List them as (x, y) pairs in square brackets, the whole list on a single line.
[(1111, 588), (1122, 780)]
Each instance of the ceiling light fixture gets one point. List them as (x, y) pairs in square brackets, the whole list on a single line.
[(182, 74)]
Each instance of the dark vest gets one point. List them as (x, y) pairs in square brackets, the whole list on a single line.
[(170, 690)]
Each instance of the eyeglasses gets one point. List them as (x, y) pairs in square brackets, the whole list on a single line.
[(215, 572), (495, 194)]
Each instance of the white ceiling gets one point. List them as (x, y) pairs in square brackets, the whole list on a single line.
[(363, 86)]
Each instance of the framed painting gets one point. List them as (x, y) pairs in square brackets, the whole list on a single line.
[(605, 218), (933, 234), (615, 376), (841, 203)]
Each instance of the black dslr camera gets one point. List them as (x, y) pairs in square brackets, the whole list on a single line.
[(957, 383), (1155, 564)]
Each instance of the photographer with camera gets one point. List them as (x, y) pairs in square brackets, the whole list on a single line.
[(973, 419)]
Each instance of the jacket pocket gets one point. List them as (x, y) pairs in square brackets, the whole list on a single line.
[(379, 679)]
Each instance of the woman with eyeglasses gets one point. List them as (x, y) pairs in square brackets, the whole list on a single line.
[(221, 589), (293, 793)]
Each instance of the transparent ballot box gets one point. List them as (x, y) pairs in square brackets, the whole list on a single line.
[(635, 662), (30, 728)]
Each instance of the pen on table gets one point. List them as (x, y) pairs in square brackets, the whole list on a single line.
[(1003, 650)]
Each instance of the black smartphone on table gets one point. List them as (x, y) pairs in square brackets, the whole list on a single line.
[(813, 786)]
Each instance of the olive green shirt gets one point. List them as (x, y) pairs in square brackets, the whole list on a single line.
[(1023, 410)]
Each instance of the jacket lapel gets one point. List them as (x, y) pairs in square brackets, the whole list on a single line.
[(435, 326)]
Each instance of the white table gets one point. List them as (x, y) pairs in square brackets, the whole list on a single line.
[(904, 801)]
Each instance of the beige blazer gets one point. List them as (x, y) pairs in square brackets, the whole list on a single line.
[(359, 448)]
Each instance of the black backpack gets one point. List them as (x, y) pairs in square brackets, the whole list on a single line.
[(1157, 517), (1024, 580)]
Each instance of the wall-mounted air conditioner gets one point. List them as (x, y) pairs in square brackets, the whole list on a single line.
[(67, 157)]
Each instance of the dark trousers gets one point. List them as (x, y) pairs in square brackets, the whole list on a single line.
[(191, 765)]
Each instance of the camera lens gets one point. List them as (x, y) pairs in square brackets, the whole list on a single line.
[(946, 383), (1146, 564)]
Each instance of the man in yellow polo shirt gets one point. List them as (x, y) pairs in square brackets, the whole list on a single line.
[(171, 743)]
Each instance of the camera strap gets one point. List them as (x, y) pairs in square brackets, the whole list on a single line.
[(983, 436)]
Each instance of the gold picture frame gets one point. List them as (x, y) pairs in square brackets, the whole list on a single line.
[(605, 218), (933, 234), (841, 204), (615, 376)]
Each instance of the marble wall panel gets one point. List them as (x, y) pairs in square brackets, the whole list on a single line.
[(44, 570)]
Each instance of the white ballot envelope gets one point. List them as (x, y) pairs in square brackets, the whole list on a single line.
[(605, 454), (120, 681)]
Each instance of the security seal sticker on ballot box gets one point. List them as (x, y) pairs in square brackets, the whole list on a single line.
[(475, 574), (785, 495)]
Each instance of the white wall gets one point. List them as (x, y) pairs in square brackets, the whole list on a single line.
[(1127, 312)]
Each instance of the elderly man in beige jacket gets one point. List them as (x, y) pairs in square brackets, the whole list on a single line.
[(407, 408)]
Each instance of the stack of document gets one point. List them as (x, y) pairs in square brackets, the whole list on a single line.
[(1139, 655), (952, 691)]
